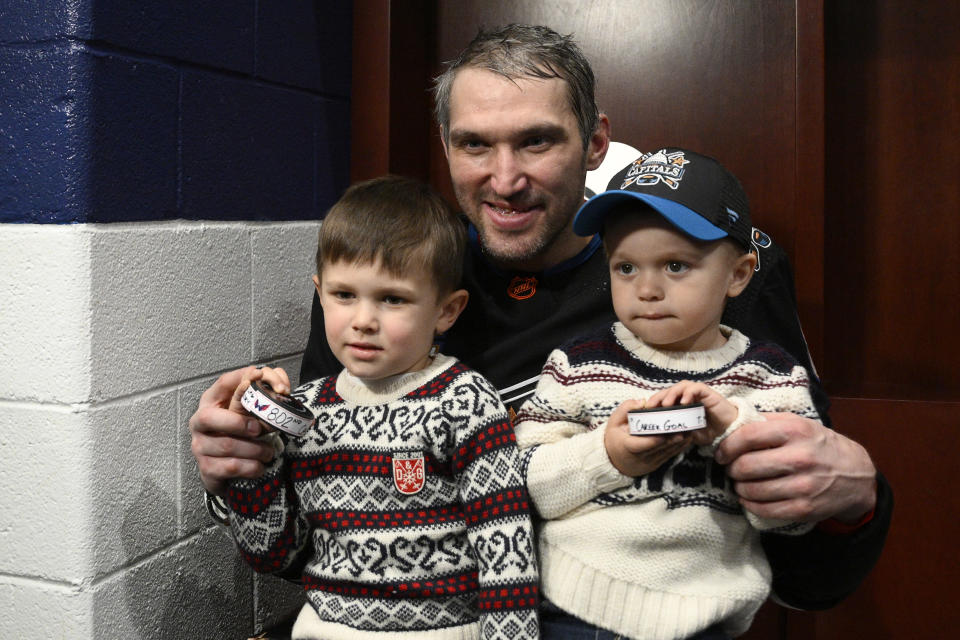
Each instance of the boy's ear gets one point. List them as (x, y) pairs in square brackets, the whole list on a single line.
[(316, 283), (743, 267), (450, 308)]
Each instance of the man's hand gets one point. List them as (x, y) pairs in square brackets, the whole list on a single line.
[(638, 455), (794, 468), (224, 441)]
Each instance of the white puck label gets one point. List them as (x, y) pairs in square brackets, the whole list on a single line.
[(662, 420), (271, 411)]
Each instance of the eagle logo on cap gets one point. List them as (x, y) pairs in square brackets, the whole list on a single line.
[(659, 166)]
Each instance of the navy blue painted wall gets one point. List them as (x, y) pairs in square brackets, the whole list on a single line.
[(112, 110)]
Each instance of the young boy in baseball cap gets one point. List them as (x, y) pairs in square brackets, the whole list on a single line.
[(643, 535)]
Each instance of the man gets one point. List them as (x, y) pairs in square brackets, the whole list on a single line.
[(521, 129)]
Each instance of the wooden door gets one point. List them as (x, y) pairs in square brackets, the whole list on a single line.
[(842, 120)]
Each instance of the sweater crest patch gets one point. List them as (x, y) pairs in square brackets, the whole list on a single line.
[(409, 472)]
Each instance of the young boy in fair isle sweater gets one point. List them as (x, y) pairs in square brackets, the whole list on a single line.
[(403, 503), (643, 535)]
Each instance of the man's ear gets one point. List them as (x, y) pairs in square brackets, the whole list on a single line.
[(599, 143), (451, 306), (443, 141), (743, 267)]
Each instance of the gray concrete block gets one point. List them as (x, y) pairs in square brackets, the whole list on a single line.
[(45, 456), (199, 588), (282, 263), (275, 600), (35, 610), (133, 489), (168, 301), (44, 318)]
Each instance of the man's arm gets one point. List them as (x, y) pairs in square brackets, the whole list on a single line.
[(794, 468), (803, 470)]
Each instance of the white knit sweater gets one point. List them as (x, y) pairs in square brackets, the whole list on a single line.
[(668, 554)]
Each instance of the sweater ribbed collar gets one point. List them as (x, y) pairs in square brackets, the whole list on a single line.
[(366, 392), (693, 361)]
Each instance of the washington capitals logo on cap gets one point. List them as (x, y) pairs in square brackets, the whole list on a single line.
[(693, 192), (660, 166)]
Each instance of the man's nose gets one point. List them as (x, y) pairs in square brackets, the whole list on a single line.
[(507, 173)]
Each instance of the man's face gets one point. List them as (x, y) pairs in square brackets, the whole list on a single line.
[(518, 165)]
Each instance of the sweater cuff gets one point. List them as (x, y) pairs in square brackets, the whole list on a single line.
[(746, 412), (597, 466)]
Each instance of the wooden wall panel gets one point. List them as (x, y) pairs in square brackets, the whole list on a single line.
[(391, 119), (842, 119), (912, 592), (893, 200)]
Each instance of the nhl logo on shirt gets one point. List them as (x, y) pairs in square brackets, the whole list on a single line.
[(408, 472), (522, 287)]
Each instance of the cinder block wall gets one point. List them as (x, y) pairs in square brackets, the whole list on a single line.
[(163, 167)]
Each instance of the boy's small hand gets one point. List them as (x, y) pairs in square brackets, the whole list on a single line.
[(638, 455), (721, 413), (277, 378)]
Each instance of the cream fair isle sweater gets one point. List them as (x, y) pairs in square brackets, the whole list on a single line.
[(665, 555)]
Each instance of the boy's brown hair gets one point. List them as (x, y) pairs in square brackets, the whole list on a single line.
[(400, 222)]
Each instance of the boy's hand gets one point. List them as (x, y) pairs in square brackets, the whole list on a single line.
[(277, 378), (638, 455), (721, 413)]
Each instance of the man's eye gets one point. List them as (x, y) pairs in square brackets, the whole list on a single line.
[(625, 268), (676, 267), (537, 141)]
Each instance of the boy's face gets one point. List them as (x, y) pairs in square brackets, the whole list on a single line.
[(668, 289), (380, 325)]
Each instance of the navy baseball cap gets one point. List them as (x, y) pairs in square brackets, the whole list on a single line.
[(693, 192)]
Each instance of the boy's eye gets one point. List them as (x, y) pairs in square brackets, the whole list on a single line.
[(676, 267), (625, 268), (342, 295), (393, 300)]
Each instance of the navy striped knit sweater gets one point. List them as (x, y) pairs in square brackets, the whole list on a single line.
[(665, 555), (407, 498)]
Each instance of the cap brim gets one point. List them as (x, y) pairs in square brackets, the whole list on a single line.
[(589, 219)]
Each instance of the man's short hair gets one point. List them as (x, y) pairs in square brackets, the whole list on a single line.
[(525, 51), (399, 222)]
